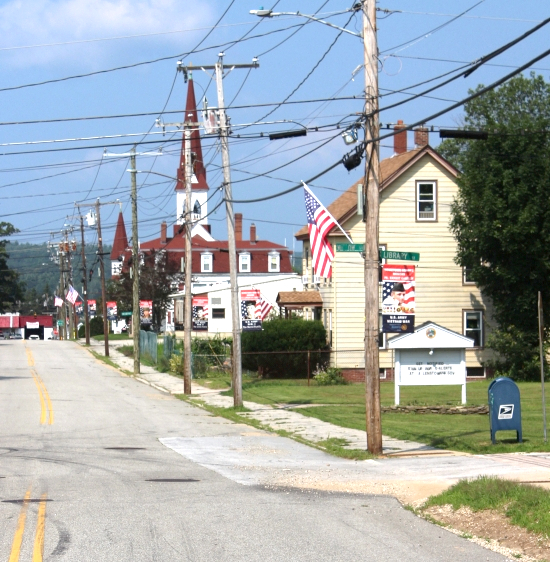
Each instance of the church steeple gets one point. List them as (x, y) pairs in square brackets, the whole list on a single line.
[(198, 180), (120, 245)]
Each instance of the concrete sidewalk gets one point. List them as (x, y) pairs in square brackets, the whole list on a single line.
[(272, 417)]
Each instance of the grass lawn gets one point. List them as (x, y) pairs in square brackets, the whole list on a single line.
[(345, 406), (112, 337)]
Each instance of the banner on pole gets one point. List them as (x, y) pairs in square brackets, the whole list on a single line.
[(200, 313), (398, 298), (92, 308), (112, 310), (146, 314), (250, 311)]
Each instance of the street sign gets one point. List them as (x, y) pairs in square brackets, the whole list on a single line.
[(60, 322), (126, 313), (406, 256), (350, 247)]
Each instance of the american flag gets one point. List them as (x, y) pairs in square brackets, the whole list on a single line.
[(71, 295), (58, 301), (263, 308), (319, 222)]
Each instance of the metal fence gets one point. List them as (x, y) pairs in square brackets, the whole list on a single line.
[(148, 344)]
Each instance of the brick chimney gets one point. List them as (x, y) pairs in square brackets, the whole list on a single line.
[(400, 139), (421, 137), (253, 233), (238, 226), (163, 232)]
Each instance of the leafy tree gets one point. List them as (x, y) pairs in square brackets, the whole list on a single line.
[(11, 289), (158, 279), (501, 217)]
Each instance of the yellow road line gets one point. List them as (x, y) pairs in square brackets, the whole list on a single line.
[(30, 358), (48, 401), (38, 551), (18, 537), (42, 402)]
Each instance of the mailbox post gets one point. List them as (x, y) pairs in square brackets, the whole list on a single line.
[(504, 407)]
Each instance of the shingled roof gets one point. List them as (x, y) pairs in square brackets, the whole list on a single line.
[(120, 243), (390, 169), (298, 299)]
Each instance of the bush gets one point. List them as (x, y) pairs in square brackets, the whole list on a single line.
[(330, 376), (96, 326), (176, 364), (280, 335), (209, 353)]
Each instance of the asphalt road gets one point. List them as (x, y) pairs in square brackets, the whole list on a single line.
[(85, 477)]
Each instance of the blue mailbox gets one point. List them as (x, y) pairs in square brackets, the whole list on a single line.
[(504, 407)]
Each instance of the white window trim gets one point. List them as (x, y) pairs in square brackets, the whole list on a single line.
[(207, 258), (418, 184), (277, 255), (481, 327), (244, 257)]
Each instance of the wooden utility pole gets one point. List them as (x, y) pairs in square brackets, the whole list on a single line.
[(541, 350), (136, 321), (188, 263), (85, 284), (372, 186), (224, 134), (62, 333), (102, 274)]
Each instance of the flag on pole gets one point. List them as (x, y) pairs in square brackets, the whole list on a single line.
[(320, 222), (263, 308), (58, 301), (71, 295)]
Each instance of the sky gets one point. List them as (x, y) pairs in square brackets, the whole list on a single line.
[(64, 61)]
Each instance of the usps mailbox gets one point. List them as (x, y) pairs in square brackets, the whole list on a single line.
[(504, 407)]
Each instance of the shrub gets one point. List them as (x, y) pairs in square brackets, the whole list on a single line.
[(96, 326), (209, 353), (330, 376), (280, 335), (176, 364)]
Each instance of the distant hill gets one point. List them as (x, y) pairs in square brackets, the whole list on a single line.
[(32, 261)]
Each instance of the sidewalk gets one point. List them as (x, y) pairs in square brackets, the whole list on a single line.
[(272, 417)]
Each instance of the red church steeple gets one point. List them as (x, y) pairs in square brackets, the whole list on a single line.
[(120, 243), (199, 171)]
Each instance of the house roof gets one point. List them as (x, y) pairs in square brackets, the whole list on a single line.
[(120, 243), (199, 171), (390, 169), (299, 299)]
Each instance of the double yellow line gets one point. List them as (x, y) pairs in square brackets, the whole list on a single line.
[(38, 550), (45, 402)]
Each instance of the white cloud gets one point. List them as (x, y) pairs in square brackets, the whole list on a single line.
[(44, 22)]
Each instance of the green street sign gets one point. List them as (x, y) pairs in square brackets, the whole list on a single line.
[(60, 322), (405, 256), (350, 247), (126, 313)]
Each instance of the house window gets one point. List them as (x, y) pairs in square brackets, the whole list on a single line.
[(381, 248), (206, 262), (218, 313), (426, 201), (381, 334), (327, 322), (274, 260), (473, 326), (216, 300), (244, 263), (467, 276)]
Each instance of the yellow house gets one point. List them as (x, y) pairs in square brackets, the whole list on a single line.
[(417, 189)]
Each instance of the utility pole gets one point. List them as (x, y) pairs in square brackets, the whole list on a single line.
[(62, 291), (102, 273), (372, 254), (85, 282), (218, 68), (188, 263), (136, 322)]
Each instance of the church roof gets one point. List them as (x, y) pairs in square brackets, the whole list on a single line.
[(120, 243), (199, 171)]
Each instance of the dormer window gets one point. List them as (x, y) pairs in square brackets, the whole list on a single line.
[(274, 262), (244, 263), (206, 262)]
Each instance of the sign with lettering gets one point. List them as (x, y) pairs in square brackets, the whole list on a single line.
[(431, 367), (405, 256)]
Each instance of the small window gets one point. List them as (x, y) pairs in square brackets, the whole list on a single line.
[(473, 326), (206, 263), (478, 372), (381, 334), (274, 260), (216, 300), (197, 209), (426, 203), (381, 248), (467, 276), (218, 313)]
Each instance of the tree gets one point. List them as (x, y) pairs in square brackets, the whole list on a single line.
[(158, 279), (11, 289), (501, 217)]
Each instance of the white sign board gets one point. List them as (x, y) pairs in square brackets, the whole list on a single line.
[(33, 325), (425, 367)]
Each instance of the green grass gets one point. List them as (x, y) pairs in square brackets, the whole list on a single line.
[(112, 337), (104, 359), (345, 406), (526, 506)]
